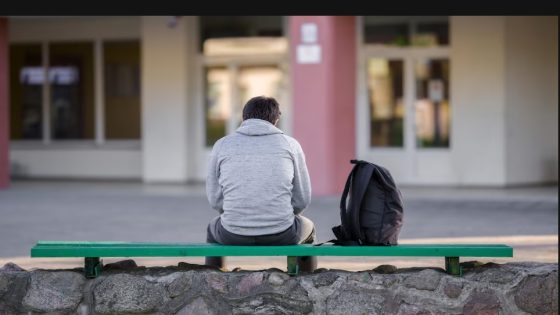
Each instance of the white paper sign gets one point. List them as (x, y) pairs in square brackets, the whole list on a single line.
[(307, 54), (435, 90), (309, 33)]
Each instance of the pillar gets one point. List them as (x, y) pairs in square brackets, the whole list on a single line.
[(166, 64), (323, 75)]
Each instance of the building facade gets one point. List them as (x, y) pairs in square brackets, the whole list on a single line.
[(459, 100)]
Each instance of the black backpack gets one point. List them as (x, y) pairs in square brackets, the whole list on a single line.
[(371, 207)]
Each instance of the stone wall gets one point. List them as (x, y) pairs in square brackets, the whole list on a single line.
[(124, 288)]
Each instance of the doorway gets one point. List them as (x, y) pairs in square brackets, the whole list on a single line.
[(404, 112), (233, 70)]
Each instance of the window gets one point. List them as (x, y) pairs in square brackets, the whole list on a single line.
[(432, 103), (423, 31), (242, 58), (72, 95), (433, 33), (70, 82), (26, 92), (386, 103), (122, 89), (389, 34), (258, 80), (218, 98), (224, 100), (407, 64)]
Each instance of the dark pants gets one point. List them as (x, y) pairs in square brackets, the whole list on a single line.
[(301, 232)]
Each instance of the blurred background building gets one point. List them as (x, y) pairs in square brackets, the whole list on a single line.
[(438, 100)]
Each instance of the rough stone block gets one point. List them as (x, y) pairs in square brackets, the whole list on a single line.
[(54, 291), (123, 293)]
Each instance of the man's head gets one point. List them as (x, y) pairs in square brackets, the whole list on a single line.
[(262, 107)]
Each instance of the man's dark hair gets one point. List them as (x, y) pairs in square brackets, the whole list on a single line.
[(262, 107)]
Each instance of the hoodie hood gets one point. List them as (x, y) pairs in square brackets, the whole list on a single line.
[(257, 127)]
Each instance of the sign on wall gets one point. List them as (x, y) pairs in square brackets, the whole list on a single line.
[(309, 33), (309, 52)]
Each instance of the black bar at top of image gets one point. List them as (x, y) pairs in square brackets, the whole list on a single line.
[(306, 7)]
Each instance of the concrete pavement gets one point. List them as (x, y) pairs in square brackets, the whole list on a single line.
[(524, 217)]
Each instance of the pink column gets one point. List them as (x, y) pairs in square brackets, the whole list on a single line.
[(324, 98), (4, 106)]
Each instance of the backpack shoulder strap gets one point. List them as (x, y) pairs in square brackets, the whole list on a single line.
[(356, 185), (341, 231)]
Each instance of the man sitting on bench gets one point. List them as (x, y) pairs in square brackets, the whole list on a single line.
[(258, 181)]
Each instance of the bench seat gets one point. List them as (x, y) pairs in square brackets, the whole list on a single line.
[(93, 251)]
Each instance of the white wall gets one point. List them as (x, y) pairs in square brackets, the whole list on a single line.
[(477, 98), (77, 162), (166, 69), (531, 99)]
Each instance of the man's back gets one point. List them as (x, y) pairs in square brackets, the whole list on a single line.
[(258, 178), (258, 181)]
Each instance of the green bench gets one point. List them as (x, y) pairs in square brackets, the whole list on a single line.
[(93, 251)]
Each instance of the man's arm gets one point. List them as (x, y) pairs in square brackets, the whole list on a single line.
[(301, 192), (213, 189)]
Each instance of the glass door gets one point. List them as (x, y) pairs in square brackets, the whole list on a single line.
[(406, 115), (431, 104), (385, 93), (217, 103)]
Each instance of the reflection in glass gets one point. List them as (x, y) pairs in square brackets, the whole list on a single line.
[(122, 89), (396, 34), (422, 31), (218, 100), (432, 103), (385, 96), (26, 91), (257, 80), (72, 94), (221, 108), (432, 33)]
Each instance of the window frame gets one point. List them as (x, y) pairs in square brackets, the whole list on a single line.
[(409, 54), (99, 140), (233, 63)]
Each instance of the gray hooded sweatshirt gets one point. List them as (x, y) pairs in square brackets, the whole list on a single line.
[(257, 179)]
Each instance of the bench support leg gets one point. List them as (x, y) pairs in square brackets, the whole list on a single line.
[(452, 266), (92, 267), (293, 266)]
